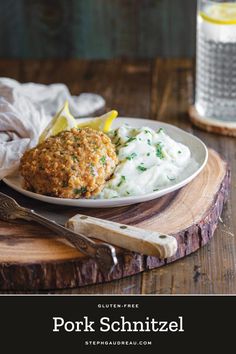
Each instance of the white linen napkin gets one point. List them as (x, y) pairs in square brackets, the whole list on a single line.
[(26, 109)]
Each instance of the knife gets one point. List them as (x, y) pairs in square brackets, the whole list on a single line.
[(151, 243)]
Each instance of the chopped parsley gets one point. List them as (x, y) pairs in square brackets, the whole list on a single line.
[(132, 156), (149, 142), (142, 168), (122, 180), (179, 152), (148, 154), (103, 160), (160, 130), (159, 151), (81, 190)]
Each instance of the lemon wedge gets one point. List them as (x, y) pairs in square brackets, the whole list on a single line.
[(63, 120), (102, 123), (222, 13)]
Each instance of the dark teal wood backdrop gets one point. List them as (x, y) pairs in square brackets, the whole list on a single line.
[(97, 28)]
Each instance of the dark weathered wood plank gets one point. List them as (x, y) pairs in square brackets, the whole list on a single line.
[(34, 258), (106, 78), (210, 270), (10, 69), (98, 29)]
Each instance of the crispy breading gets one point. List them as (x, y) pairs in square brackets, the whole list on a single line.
[(73, 164)]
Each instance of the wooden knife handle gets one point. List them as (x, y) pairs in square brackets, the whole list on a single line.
[(151, 243)]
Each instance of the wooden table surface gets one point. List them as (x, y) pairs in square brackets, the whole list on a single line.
[(160, 90)]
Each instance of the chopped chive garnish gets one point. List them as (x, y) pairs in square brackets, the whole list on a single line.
[(129, 141), (103, 160), (132, 156), (81, 190), (179, 152), (122, 180), (159, 151), (160, 130), (149, 142), (148, 154), (147, 131), (155, 190), (75, 158), (117, 142), (142, 168)]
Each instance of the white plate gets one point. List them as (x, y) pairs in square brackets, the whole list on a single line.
[(198, 151)]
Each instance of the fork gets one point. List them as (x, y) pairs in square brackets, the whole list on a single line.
[(103, 253)]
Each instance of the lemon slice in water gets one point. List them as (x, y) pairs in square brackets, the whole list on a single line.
[(102, 123), (63, 120), (222, 13)]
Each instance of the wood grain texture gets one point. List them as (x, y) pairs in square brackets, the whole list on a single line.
[(32, 258), (98, 29), (212, 125), (163, 90)]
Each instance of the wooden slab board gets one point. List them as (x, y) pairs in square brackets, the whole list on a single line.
[(212, 125), (32, 258)]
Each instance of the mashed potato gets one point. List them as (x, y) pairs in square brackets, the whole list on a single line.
[(148, 161)]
